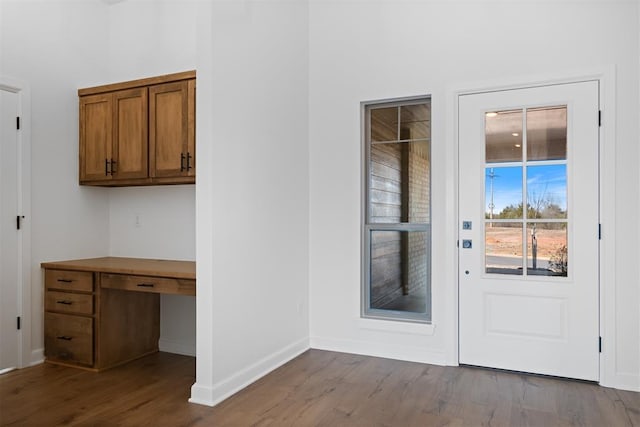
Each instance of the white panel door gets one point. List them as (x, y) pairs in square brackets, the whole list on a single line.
[(528, 228), (9, 250)]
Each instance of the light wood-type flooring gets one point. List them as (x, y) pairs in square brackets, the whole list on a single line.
[(318, 388)]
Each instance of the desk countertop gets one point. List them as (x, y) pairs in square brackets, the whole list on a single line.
[(136, 266)]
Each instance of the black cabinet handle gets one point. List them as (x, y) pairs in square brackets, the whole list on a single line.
[(189, 167), (64, 302), (113, 167), (182, 162), (65, 280), (64, 338), (146, 285)]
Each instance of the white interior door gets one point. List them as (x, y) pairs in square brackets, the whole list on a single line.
[(529, 230), (9, 242)]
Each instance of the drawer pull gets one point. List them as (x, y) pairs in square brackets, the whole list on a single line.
[(146, 285), (65, 302), (65, 280), (64, 338)]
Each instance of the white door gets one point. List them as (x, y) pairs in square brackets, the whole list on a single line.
[(528, 228), (9, 249)]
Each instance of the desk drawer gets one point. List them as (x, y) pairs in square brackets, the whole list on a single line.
[(68, 338), (69, 280), (67, 302), (162, 285)]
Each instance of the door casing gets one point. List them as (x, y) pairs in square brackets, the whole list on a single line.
[(606, 77)]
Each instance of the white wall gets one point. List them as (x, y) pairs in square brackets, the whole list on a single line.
[(51, 46), (149, 38), (374, 50), (253, 255), (58, 47), (159, 222)]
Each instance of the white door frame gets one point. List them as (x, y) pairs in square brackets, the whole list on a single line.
[(22, 89), (606, 78)]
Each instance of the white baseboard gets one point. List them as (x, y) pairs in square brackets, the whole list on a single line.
[(212, 395), (629, 382), (169, 346), (202, 395), (380, 349), (37, 357)]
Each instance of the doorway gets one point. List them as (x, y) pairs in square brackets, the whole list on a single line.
[(15, 277), (529, 230)]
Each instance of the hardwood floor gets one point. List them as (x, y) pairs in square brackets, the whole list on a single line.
[(318, 388)]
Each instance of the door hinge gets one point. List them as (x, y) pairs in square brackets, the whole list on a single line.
[(18, 123), (19, 219), (599, 118), (599, 344), (599, 231), (18, 322)]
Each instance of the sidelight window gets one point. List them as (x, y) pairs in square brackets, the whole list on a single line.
[(397, 210)]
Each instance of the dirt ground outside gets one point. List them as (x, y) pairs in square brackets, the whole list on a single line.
[(507, 241)]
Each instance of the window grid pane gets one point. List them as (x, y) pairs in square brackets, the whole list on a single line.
[(530, 190), (396, 276)]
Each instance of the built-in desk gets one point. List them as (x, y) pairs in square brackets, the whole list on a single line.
[(103, 312)]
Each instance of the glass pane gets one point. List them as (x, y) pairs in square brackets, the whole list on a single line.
[(503, 248), (503, 136), (384, 124), (399, 275), (414, 121), (547, 133), (399, 183), (547, 191), (503, 193), (547, 249)]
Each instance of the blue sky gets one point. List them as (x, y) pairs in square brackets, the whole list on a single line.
[(547, 182)]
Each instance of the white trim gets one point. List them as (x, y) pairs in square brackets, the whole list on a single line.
[(212, 395), (37, 357), (419, 352), (176, 347), (395, 326), (605, 75), (202, 395), (23, 91)]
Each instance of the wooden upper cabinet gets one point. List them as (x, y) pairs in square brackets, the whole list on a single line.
[(96, 137), (172, 154), (130, 159), (140, 132)]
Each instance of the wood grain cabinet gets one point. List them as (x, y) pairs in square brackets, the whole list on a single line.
[(171, 129), (69, 317), (104, 312), (140, 132)]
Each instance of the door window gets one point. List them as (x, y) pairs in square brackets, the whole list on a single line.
[(526, 221)]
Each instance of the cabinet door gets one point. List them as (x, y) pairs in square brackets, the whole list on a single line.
[(169, 130), (68, 338), (130, 159), (96, 127), (191, 117)]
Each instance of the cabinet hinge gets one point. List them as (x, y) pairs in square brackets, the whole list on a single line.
[(599, 118), (18, 123), (599, 344), (18, 322)]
